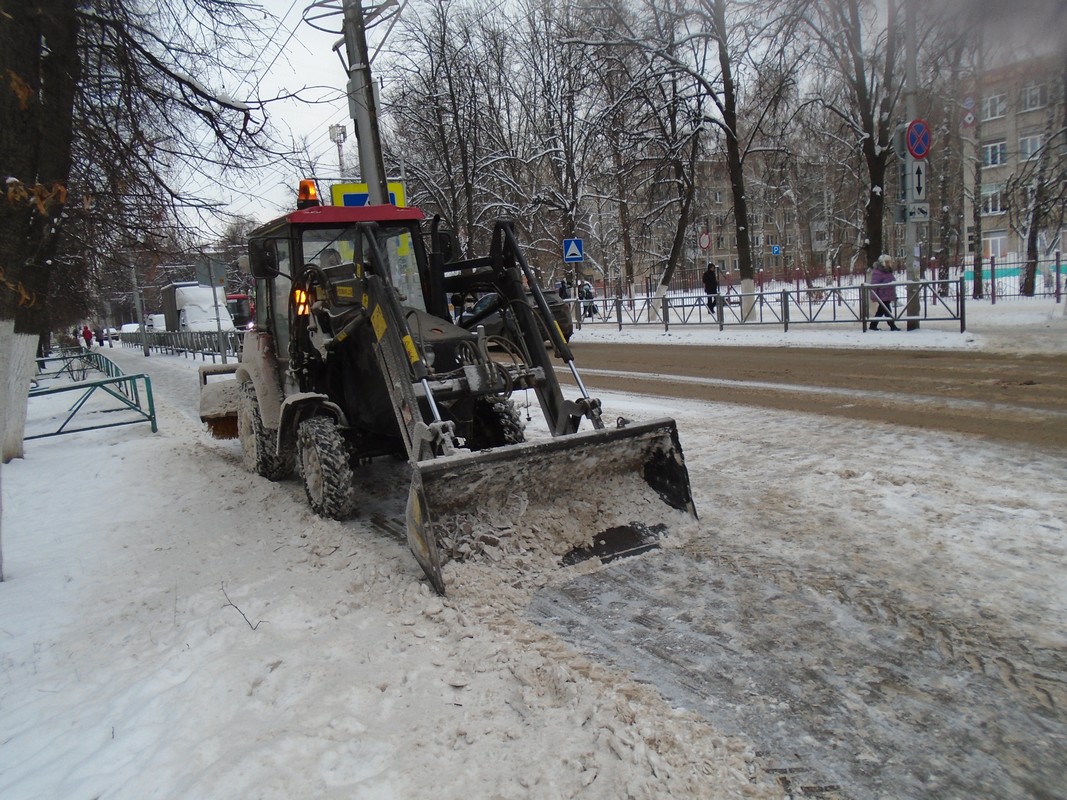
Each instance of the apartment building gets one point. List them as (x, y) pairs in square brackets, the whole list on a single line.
[(1008, 117)]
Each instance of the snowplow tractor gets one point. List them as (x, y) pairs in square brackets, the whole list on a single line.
[(354, 356)]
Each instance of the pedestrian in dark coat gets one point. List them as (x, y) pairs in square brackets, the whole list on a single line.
[(711, 285), (884, 296)]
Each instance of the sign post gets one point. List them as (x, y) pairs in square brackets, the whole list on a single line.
[(918, 140)]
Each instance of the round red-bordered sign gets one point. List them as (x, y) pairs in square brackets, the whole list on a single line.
[(919, 139), (705, 240)]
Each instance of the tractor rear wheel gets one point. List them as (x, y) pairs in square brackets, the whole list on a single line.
[(258, 441), (328, 479)]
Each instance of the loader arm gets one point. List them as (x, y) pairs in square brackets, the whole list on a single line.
[(402, 365), (513, 274)]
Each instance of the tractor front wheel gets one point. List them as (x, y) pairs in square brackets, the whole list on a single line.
[(328, 478)]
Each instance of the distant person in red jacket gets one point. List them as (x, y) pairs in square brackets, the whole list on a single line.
[(884, 296), (87, 335)]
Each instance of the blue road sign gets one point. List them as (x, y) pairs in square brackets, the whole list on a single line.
[(573, 251), (776, 249), (361, 198)]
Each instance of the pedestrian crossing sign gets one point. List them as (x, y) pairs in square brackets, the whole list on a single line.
[(573, 251)]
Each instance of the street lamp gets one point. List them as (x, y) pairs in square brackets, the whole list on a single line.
[(337, 135)]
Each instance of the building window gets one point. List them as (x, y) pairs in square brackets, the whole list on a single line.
[(995, 154), (717, 196), (1030, 145), (995, 106), (993, 200), (995, 244), (720, 242), (1033, 96)]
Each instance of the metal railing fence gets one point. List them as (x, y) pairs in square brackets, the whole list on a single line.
[(938, 300), (133, 392), (205, 344)]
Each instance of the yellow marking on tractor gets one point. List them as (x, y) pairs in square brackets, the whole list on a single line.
[(413, 352), (377, 319)]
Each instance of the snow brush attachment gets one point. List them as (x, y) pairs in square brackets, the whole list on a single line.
[(602, 493), (218, 400)]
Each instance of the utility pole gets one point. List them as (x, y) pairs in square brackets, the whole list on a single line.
[(363, 105), (215, 300), (911, 226), (139, 304)]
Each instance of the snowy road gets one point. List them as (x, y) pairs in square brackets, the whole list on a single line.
[(880, 610)]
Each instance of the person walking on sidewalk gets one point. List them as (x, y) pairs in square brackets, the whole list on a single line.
[(882, 294), (711, 285)]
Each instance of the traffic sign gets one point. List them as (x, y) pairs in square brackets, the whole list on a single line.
[(918, 173), (357, 194), (918, 212), (776, 249), (705, 240), (918, 138), (573, 251)]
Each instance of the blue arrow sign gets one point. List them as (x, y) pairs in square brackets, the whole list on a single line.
[(355, 198), (573, 251), (361, 198)]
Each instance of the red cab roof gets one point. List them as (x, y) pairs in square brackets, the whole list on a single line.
[(333, 215)]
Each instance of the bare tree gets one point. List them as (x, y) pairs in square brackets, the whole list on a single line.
[(104, 125), (863, 49)]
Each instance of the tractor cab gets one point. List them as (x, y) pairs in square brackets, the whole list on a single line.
[(339, 246)]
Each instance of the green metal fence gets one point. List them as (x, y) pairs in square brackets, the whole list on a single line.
[(133, 393)]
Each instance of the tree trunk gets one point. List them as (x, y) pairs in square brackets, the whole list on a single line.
[(39, 65), (735, 161)]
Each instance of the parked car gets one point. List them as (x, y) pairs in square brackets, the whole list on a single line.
[(486, 311)]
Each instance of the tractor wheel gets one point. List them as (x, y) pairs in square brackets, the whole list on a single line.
[(258, 441), (328, 478), (495, 422)]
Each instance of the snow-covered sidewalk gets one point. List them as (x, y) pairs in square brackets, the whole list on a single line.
[(174, 627)]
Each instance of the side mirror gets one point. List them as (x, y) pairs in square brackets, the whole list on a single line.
[(444, 241), (448, 244), (263, 257)]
